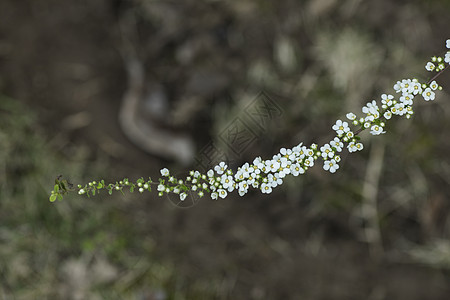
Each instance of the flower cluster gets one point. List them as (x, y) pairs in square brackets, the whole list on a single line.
[(266, 175), (437, 63)]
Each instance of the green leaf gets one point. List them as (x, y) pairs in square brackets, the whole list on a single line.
[(131, 189), (60, 197), (56, 188), (52, 198), (110, 192)]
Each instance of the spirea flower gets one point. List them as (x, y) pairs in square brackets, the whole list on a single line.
[(165, 172), (266, 188), (428, 94), (430, 66), (337, 144), (326, 151), (387, 100), (376, 130), (220, 168), (330, 165), (268, 174), (351, 116), (341, 127), (433, 85)]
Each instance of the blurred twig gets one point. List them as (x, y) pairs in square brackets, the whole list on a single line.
[(369, 208)]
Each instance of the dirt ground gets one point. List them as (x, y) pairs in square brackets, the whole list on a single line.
[(67, 61)]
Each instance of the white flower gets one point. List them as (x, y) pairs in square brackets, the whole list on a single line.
[(266, 188), (81, 192), (220, 168), (226, 181), (398, 86), (309, 162), (428, 94), (430, 66), (416, 88), (183, 196), (273, 181), (336, 143), (222, 193), (330, 165), (447, 43), (407, 98), (433, 85), (376, 130), (359, 146), (273, 165), (341, 127), (214, 196), (370, 108), (406, 86), (387, 99), (387, 115), (161, 187), (351, 116), (326, 151), (296, 169), (243, 186), (164, 172), (447, 57), (351, 147)]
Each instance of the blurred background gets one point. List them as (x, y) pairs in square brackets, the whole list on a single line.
[(112, 89)]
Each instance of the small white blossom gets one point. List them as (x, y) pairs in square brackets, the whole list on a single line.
[(81, 192), (266, 188), (220, 168), (222, 193), (387, 100), (433, 85), (376, 130), (351, 116), (430, 66), (341, 127), (428, 94), (370, 108), (387, 115), (416, 88), (183, 196), (330, 165), (296, 169), (447, 57), (359, 146), (164, 172), (447, 43), (336, 143), (407, 98), (326, 151)]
